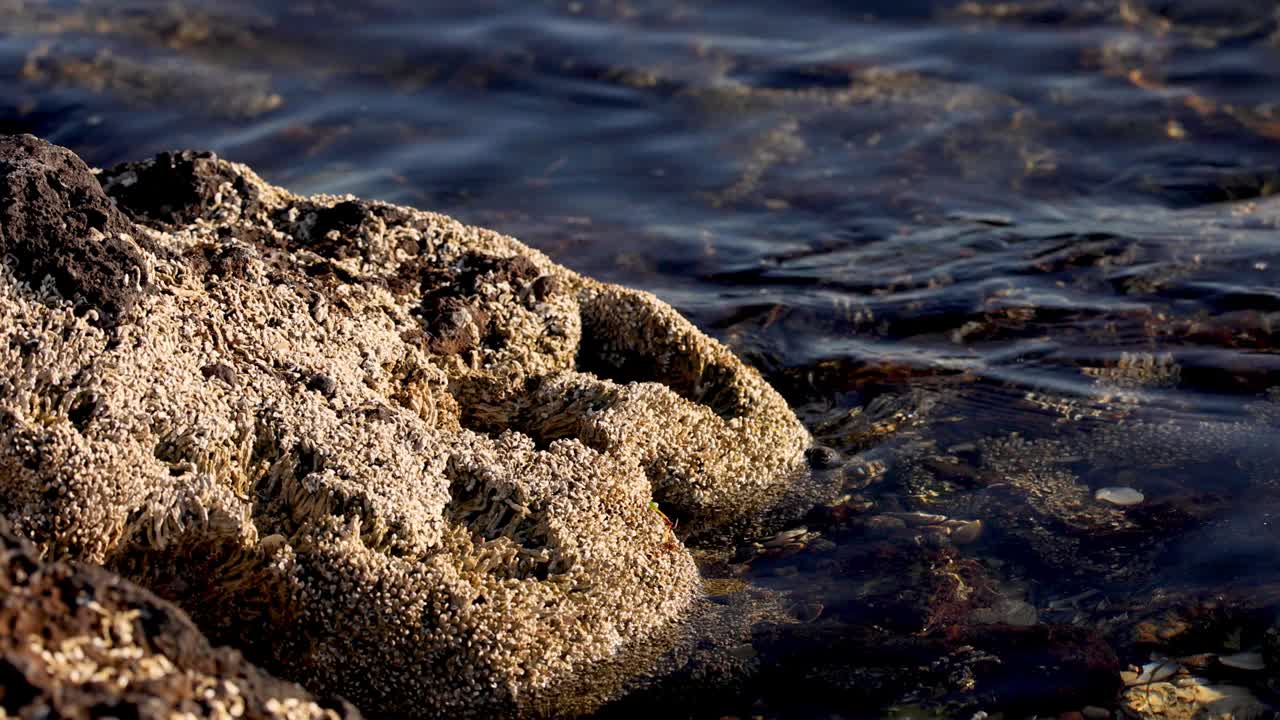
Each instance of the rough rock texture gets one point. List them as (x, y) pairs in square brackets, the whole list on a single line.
[(56, 223), (78, 642), (385, 454)]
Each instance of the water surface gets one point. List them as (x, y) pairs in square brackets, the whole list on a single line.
[(999, 255)]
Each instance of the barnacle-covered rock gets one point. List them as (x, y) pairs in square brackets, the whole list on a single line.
[(79, 642), (385, 454)]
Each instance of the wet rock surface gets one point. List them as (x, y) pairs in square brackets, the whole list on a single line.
[(77, 641), (287, 437)]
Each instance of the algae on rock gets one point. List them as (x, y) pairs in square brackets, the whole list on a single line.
[(386, 454)]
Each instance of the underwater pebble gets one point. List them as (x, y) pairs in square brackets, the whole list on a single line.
[(787, 535), (918, 519), (964, 532), (1122, 496), (1243, 661), (822, 457), (859, 475), (935, 536), (1008, 612), (807, 612), (1093, 712), (885, 523), (822, 545)]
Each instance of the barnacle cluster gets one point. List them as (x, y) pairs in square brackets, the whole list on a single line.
[(385, 454), (76, 641)]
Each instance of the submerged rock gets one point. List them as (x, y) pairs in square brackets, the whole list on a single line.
[(79, 642), (1190, 698), (1121, 496), (385, 454)]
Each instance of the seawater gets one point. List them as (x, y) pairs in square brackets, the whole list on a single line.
[(998, 255)]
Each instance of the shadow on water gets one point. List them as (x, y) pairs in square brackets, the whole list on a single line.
[(1003, 257)]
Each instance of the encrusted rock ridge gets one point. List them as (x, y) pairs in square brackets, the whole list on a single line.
[(386, 455)]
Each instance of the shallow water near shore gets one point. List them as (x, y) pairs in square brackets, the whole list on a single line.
[(1005, 259)]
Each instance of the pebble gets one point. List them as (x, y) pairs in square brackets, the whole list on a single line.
[(1243, 661), (935, 536), (1008, 612), (885, 523), (1093, 712), (964, 532), (1122, 496), (807, 612), (822, 457), (822, 545), (859, 475), (918, 519), (786, 537)]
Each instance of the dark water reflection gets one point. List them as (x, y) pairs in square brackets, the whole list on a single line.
[(1011, 252)]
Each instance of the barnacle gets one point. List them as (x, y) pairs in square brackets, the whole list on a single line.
[(76, 639)]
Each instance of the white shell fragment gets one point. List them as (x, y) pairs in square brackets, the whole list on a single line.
[(1122, 496), (1155, 672), (1243, 661)]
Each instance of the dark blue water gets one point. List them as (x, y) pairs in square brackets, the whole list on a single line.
[(1011, 253)]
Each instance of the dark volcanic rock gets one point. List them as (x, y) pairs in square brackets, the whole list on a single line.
[(56, 221), (175, 188), (77, 642)]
